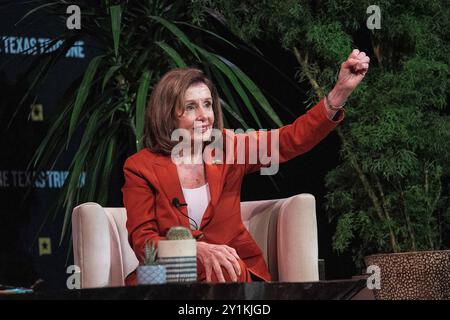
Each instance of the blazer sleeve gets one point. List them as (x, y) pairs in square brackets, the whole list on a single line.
[(261, 147), (139, 201)]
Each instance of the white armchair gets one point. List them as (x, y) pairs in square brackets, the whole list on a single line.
[(284, 229)]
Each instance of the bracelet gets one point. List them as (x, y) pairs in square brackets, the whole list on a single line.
[(334, 108)]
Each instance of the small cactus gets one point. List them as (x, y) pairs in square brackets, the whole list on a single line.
[(178, 233), (150, 254)]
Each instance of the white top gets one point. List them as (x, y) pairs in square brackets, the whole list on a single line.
[(197, 200)]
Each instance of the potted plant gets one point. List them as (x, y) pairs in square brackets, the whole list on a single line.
[(151, 272), (390, 193), (138, 42), (179, 254)]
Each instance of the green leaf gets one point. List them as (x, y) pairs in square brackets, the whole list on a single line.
[(106, 174), (36, 9), (141, 100), (225, 89), (173, 54), (49, 138), (48, 61), (178, 33), (116, 17), (208, 32), (82, 94), (212, 58), (108, 75), (77, 166), (141, 61), (255, 91), (92, 185), (234, 114)]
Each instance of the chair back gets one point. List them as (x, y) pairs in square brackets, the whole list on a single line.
[(100, 245)]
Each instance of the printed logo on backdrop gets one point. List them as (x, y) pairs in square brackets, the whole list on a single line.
[(37, 112), (23, 45), (45, 246), (45, 179)]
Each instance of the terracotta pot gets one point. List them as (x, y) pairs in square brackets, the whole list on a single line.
[(412, 275)]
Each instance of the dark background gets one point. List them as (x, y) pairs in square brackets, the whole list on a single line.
[(20, 219)]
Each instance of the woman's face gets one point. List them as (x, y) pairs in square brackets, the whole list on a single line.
[(197, 114)]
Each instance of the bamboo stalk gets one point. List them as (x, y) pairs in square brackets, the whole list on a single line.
[(388, 217), (304, 64), (377, 52), (407, 218), (434, 207)]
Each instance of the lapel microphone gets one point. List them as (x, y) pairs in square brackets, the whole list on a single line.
[(177, 204)]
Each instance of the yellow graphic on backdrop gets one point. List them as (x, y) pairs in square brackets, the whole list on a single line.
[(37, 112), (45, 246)]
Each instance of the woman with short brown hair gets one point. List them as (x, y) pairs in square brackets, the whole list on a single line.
[(165, 105), (160, 193)]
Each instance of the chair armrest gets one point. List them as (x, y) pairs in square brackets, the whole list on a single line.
[(297, 240)]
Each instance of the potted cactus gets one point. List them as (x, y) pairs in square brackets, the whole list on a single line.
[(151, 272), (179, 254)]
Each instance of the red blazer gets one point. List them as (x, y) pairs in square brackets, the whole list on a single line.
[(151, 183)]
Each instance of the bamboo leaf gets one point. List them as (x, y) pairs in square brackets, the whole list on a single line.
[(141, 99), (82, 94), (116, 17)]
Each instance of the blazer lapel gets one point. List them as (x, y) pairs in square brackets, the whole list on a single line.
[(167, 174), (213, 176)]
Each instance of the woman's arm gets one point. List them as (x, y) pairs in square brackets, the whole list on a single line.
[(139, 201), (277, 146), (352, 72)]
